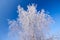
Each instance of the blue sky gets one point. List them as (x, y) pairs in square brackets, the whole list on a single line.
[(8, 10)]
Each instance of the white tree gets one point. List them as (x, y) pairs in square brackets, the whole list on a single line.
[(30, 24)]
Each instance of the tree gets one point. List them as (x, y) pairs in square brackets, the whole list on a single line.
[(30, 24)]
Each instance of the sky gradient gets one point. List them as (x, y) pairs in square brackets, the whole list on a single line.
[(8, 10)]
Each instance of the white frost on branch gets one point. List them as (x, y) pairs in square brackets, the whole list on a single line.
[(30, 24)]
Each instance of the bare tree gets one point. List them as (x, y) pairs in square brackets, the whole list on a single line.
[(30, 24)]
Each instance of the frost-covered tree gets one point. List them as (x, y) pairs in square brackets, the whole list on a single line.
[(30, 24)]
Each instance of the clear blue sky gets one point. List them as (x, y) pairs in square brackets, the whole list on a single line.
[(8, 10)]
